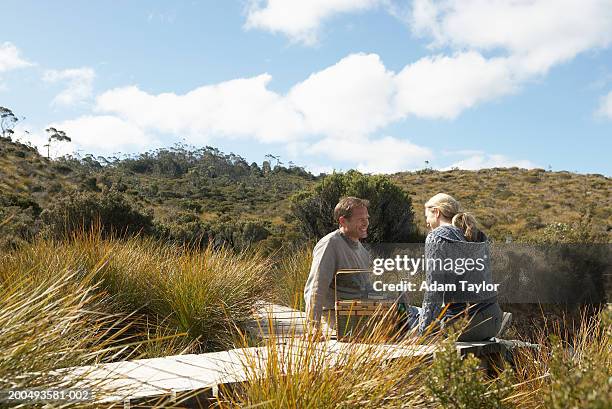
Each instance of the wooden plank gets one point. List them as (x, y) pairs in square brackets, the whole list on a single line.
[(159, 377), (283, 322)]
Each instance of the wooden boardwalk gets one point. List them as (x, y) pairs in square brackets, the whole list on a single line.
[(171, 378), (283, 322)]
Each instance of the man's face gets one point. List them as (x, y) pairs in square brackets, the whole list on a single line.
[(356, 226)]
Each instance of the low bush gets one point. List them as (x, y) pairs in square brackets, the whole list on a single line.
[(458, 383), (111, 211), (391, 216)]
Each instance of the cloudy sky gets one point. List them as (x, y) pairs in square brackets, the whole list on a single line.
[(376, 85)]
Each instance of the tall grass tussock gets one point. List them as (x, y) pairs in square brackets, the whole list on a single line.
[(203, 293)]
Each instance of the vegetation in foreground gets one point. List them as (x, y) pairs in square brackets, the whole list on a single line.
[(563, 373), (202, 293), (94, 299)]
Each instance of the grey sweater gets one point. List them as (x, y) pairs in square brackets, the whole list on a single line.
[(332, 253), (448, 242)]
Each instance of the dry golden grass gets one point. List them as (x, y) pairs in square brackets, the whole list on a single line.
[(572, 369), (290, 275), (304, 372), (203, 293), (90, 300), (517, 202)]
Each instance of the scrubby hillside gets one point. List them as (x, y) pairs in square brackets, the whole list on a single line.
[(25, 174), (191, 194), (517, 202), (194, 194)]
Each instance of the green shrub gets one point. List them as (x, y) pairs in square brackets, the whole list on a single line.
[(20, 201), (183, 227), (83, 211), (564, 233), (571, 369), (460, 384), (577, 381), (391, 216), (18, 220), (17, 226), (581, 258)]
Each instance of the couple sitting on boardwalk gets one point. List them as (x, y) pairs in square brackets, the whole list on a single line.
[(453, 235)]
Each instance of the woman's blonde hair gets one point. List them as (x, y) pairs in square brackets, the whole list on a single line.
[(451, 209)]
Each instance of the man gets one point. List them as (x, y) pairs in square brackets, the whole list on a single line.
[(340, 249)]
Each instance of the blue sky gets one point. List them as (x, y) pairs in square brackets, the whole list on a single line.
[(377, 85)]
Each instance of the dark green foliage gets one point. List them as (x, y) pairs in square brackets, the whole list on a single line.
[(239, 235), (90, 184), (583, 259), (214, 188), (18, 220), (17, 226), (186, 227), (19, 201), (391, 216), (111, 212)]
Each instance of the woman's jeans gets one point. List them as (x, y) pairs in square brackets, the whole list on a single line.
[(484, 324)]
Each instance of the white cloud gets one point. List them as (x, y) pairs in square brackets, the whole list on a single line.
[(536, 33), (384, 155), (352, 97), (528, 37), (443, 87), (334, 113), (317, 169), (241, 107), (105, 134), (10, 58), (605, 107), (300, 20), (79, 86), (482, 160)]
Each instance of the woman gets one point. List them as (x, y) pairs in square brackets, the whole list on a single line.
[(454, 235)]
